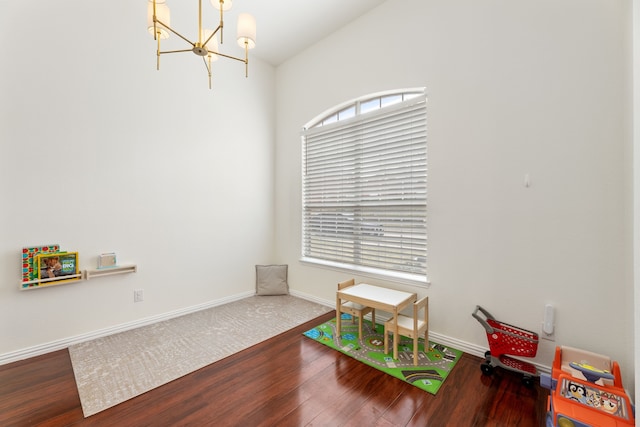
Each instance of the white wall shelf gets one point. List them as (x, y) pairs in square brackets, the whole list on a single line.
[(86, 275), (55, 281), (110, 271)]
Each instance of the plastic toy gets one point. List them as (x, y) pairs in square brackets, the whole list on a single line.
[(506, 340), (586, 391)]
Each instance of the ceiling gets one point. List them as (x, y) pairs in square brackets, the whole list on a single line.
[(284, 27)]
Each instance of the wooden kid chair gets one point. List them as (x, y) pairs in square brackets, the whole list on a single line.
[(355, 309), (412, 327)]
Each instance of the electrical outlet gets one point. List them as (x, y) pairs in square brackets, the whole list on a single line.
[(138, 295), (545, 336)]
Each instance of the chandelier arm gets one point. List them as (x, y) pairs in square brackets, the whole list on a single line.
[(176, 33), (231, 57), (176, 51), (212, 35)]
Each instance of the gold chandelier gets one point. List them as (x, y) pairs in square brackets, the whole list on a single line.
[(159, 25)]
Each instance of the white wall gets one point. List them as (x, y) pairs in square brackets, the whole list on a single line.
[(529, 87), (101, 152)]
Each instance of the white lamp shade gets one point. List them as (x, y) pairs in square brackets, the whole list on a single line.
[(226, 4), (212, 45), (246, 30), (163, 15)]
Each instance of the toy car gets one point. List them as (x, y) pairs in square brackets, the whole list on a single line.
[(586, 391)]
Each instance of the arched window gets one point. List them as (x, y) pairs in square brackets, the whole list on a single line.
[(364, 178)]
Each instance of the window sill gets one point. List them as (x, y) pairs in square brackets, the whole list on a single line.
[(392, 276)]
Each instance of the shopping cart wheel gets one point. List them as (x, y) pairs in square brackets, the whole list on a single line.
[(487, 356), (527, 381), (486, 369)]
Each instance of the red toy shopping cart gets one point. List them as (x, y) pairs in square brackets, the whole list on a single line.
[(505, 341)]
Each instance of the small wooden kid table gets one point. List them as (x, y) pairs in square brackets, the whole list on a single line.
[(380, 298)]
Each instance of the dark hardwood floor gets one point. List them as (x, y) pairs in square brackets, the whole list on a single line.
[(288, 380)]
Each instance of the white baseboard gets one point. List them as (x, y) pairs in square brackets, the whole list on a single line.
[(312, 298), (41, 349), (38, 350)]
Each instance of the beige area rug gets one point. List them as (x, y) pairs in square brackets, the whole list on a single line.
[(115, 368)]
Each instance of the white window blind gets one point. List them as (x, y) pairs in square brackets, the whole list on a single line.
[(365, 189)]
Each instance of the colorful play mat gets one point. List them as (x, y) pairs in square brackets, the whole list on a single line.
[(434, 364)]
